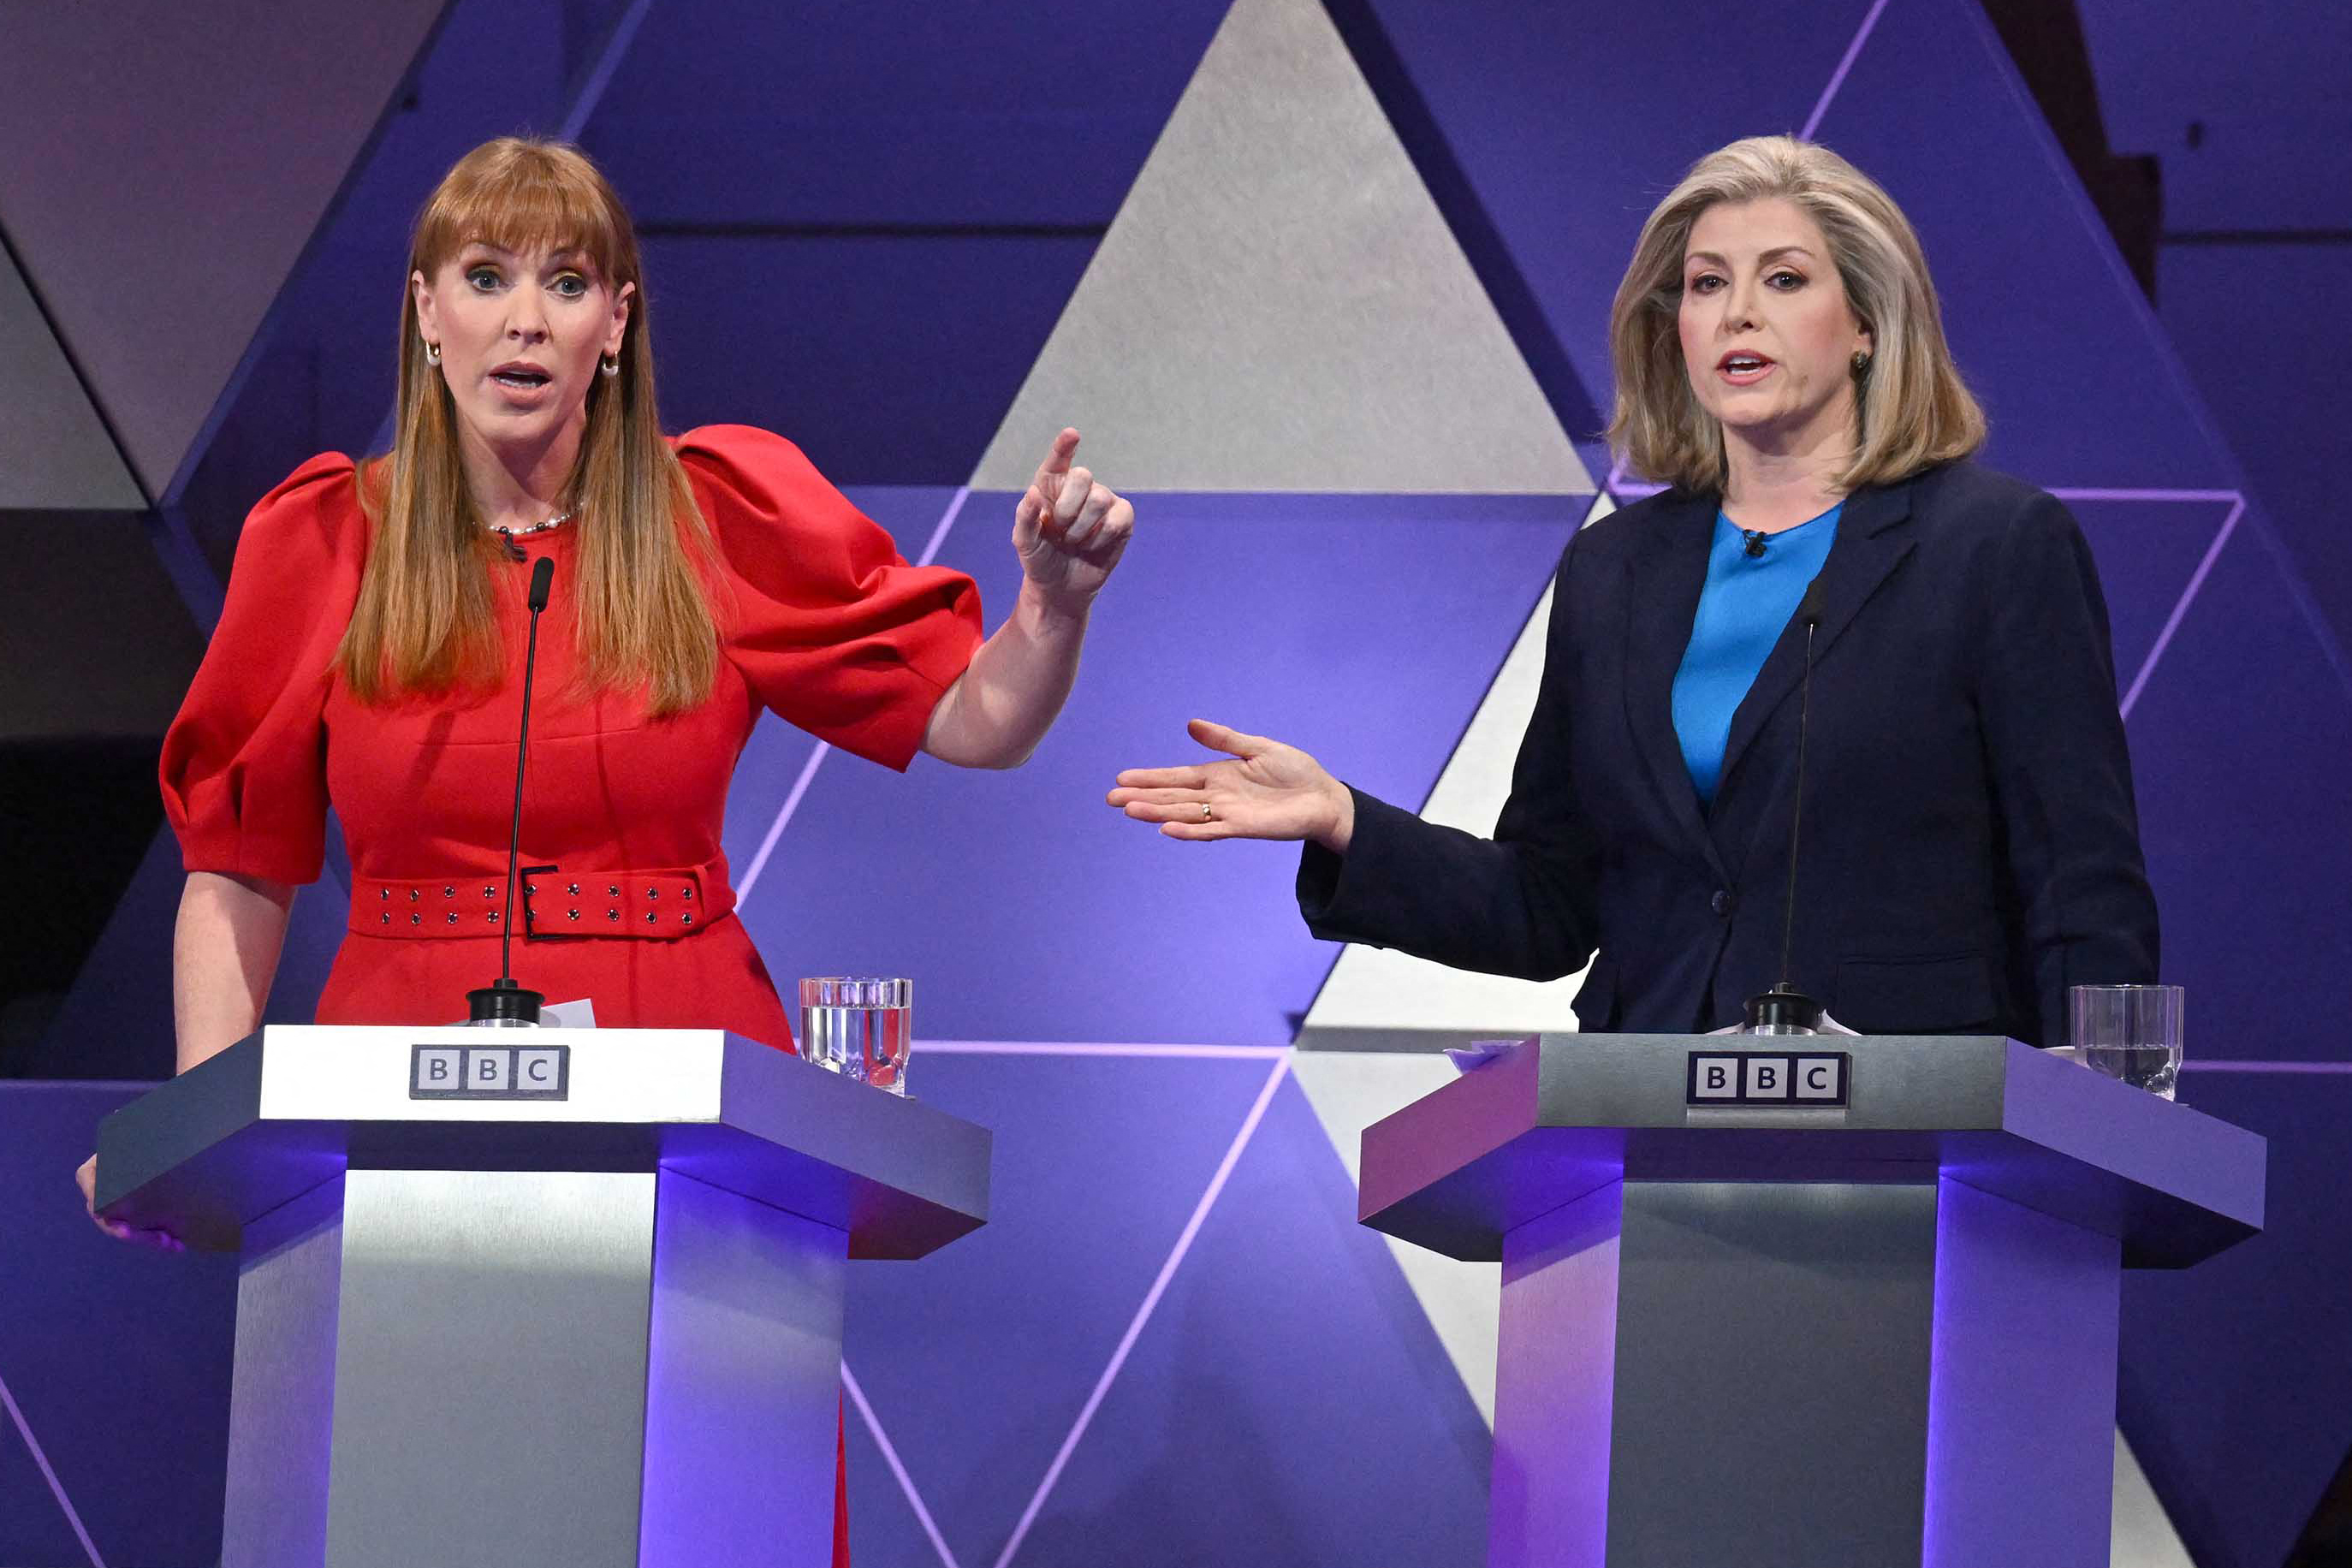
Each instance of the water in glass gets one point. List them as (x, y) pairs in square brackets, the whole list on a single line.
[(2131, 1032), (861, 1027), (2156, 1068)]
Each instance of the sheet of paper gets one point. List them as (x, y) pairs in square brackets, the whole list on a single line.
[(1478, 1053)]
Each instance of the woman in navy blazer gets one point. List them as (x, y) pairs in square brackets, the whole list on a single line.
[(1969, 847)]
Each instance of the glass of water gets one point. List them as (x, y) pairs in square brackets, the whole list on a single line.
[(860, 1027), (2131, 1032)]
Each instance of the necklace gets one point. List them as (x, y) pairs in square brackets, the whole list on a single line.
[(506, 536)]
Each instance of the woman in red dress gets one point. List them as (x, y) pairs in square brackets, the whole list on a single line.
[(370, 654)]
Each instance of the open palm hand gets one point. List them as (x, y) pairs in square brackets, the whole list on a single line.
[(1268, 790)]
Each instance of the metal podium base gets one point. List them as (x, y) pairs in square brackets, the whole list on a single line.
[(549, 1296), (1867, 1322), (589, 1368), (1803, 1375)]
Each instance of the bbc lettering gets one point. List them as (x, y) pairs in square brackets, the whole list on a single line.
[(1813, 1082), (489, 1072)]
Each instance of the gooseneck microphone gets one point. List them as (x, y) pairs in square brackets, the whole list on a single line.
[(502, 1003), (1784, 1009)]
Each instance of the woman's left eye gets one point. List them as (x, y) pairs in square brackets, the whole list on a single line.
[(572, 286), (1786, 280)]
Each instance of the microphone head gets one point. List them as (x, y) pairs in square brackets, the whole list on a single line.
[(542, 577), (1809, 608)]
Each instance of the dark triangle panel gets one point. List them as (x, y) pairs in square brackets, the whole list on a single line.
[(33, 1528)]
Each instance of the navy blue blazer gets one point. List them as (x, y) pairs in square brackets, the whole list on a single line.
[(1969, 848)]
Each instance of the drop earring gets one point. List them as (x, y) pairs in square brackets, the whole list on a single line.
[(432, 354), (609, 365)]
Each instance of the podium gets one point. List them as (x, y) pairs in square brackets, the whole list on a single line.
[(535, 1295), (1805, 1301)]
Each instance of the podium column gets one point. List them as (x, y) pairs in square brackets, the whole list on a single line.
[(1803, 1373), (1871, 1326), (596, 1321)]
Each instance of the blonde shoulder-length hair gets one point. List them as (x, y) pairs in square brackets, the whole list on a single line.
[(641, 599), (1912, 408)]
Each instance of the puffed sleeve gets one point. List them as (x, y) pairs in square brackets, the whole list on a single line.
[(244, 768), (829, 625)]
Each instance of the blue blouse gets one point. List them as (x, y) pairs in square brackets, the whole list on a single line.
[(1742, 610)]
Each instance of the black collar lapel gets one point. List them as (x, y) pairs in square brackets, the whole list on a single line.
[(1664, 580), (1871, 540)]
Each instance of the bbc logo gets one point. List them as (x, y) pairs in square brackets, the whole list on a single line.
[(1814, 1081), (489, 1072)]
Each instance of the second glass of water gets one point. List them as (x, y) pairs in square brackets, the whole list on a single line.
[(2131, 1032), (860, 1027)]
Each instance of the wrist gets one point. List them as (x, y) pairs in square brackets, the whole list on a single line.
[(1339, 831), (1049, 613)]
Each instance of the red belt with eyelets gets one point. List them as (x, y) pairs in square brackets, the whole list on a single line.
[(555, 903)]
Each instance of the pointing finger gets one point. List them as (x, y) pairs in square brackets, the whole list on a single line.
[(1057, 461)]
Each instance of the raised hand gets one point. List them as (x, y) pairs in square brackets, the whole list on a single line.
[(1268, 791), (1069, 531)]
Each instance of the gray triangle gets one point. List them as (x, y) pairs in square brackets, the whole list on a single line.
[(55, 453), (1279, 305), (158, 231), (2140, 1534)]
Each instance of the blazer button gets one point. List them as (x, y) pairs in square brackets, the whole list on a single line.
[(1721, 902)]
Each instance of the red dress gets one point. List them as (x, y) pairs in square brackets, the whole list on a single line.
[(819, 619)]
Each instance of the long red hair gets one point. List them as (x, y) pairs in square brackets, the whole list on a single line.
[(641, 602)]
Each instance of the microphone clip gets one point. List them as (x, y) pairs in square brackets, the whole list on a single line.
[(504, 1004), (1782, 1011)]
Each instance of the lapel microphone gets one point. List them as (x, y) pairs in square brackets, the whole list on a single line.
[(503, 1004), (1784, 1009)]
